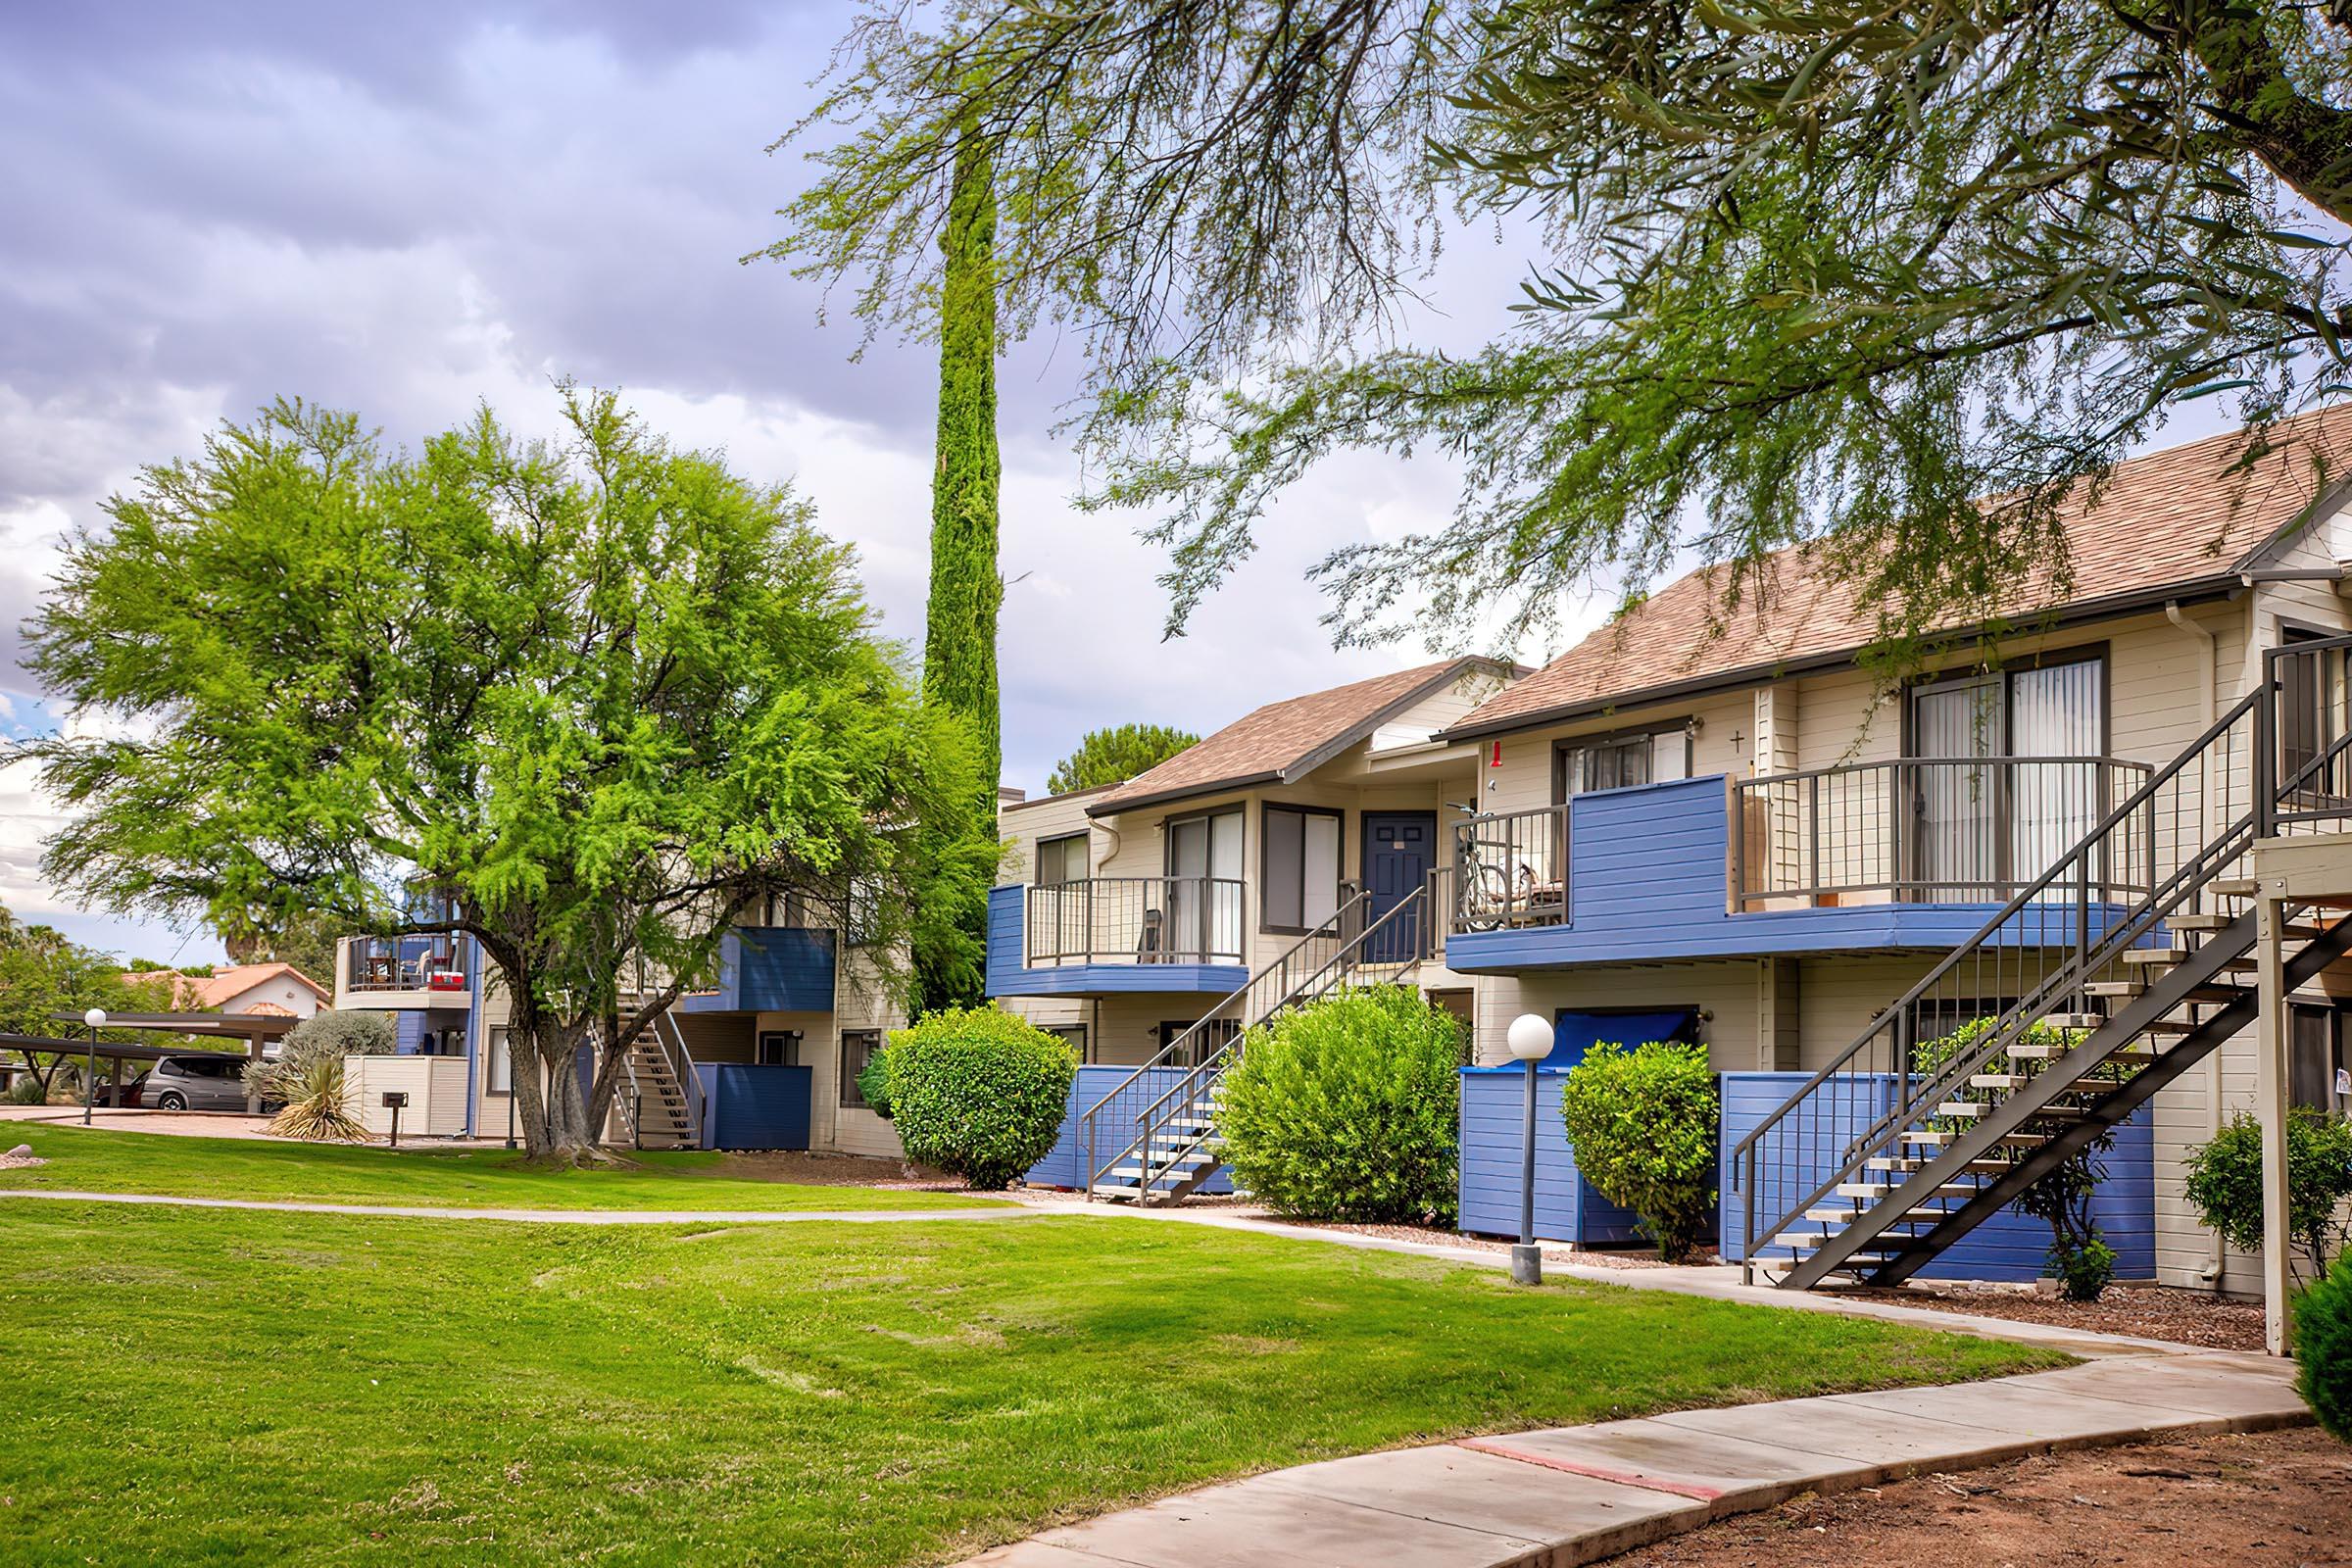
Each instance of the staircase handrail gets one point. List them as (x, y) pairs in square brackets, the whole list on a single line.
[(1330, 927), (1996, 1041), (670, 1039), (1338, 966)]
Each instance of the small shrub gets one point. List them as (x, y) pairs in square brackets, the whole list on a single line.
[(327, 1036), (2324, 1349), (25, 1091), (978, 1092), (317, 1102), (1642, 1126), (2082, 1268), (874, 1083), (1348, 1109), (2225, 1181)]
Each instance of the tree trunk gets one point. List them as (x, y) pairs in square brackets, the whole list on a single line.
[(549, 1107)]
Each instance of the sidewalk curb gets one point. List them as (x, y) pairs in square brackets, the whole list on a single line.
[(1571, 1496)]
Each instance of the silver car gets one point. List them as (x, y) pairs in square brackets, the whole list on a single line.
[(195, 1083)]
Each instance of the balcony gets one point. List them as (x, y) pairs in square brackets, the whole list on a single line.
[(431, 963), (1909, 854), (1103, 935), (770, 968)]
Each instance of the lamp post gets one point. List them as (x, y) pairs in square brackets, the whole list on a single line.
[(1530, 1037), (96, 1020)]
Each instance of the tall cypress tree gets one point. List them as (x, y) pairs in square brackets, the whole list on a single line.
[(960, 632)]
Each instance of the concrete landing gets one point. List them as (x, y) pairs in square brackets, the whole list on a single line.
[(1575, 1495)]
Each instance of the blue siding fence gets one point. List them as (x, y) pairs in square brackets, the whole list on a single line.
[(2010, 1246), (1066, 1166), (1493, 1103), (754, 1107)]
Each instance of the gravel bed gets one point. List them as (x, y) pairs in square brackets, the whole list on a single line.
[(2143, 1311)]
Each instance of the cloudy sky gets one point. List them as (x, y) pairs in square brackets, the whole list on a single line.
[(407, 209)]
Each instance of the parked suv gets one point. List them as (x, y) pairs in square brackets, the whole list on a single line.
[(195, 1083)]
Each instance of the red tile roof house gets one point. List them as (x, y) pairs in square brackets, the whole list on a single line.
[(1721, 825), (267, 988)]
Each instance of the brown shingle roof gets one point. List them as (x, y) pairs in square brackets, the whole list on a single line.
[(2164, 520), (1282, 739)]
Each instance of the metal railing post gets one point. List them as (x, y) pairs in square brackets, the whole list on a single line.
[(2266, 749)]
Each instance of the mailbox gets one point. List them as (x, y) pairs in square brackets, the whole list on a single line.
[(395, 1099)]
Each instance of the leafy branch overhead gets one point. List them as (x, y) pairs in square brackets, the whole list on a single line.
[(1792, 274)]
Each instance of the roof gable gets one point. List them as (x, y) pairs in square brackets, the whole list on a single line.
[(1286, 740)]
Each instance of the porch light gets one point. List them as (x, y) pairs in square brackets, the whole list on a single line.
[(1530, 1039)]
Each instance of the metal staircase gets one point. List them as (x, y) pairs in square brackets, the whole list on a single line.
[(664, 1103), (1152, 1141), (2116, 971)]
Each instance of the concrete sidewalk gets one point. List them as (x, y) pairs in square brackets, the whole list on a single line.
[(544, 1216), (1575, 1495)]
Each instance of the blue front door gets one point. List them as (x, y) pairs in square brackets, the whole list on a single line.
[(1400, 847)]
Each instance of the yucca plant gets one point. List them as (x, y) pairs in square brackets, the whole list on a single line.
[(319, 1104)]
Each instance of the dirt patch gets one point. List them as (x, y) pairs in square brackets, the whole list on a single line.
[(2143, 1311), (2273, 1497)]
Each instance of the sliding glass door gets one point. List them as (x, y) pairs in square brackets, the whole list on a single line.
[(2003, 776)]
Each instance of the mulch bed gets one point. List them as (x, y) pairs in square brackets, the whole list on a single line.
[(2143, 1311), (2273, 1497)]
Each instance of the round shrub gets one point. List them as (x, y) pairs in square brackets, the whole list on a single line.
[(2225, 1181), (2324, 1349), (1642, 1126), (978, 1092), (1348, 1110)]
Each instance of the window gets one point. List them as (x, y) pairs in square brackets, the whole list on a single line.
[(1623, 760), (501, 1067), (1299, 878), (857, 1048), (1978, 831), (1223, 1032), (1073, 1033), (778, 1047), (1061, 859)]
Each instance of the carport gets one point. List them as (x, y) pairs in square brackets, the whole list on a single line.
[(254, 1029)]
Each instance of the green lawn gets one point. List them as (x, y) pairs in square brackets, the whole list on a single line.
[(96, 1160), (213, 1387)]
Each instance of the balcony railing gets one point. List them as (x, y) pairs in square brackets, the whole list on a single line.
[(407, 963), (1934, 830), (1510, 869), (1135, 919)]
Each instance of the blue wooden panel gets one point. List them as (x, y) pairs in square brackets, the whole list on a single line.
[(1008, 976), (770, 968), (754, 1107), (1492, 1131), (2010, 1246), (1650, 879), (1066, 1166)]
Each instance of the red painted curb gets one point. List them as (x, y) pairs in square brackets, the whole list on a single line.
[(1623, 1478)]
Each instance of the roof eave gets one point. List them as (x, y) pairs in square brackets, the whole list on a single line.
[(2219, 585)]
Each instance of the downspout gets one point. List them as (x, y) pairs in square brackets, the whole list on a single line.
[(2209, 706), (473, 1031)]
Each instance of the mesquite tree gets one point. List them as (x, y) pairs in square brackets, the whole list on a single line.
[(1823, 272), (588, 703), (959, 628)]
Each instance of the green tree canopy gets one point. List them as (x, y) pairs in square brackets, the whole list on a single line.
[(1108, 757), (1792, 273), (587, 702)]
